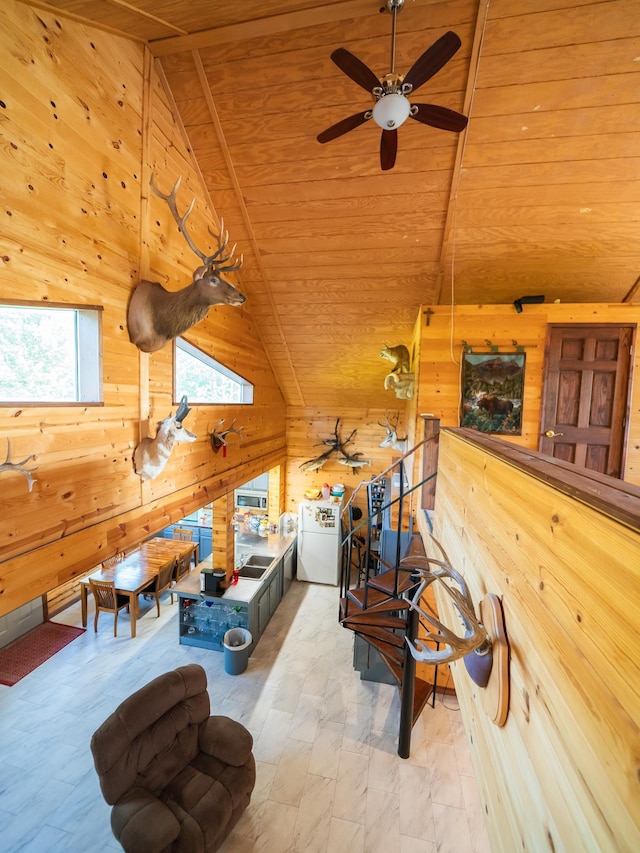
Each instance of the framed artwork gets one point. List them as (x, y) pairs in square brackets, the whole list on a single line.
[(492, 391)]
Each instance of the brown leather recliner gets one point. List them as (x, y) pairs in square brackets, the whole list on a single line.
[(177, 778)]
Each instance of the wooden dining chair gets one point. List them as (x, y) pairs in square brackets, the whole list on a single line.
[(182, 568), (161, 582), (113, 561), (108, 600), (183, 533)]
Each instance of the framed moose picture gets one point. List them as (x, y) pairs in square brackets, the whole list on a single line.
[(492, 391)]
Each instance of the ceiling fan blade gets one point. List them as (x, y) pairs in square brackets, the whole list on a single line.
[(343, 126), (355, 69), (440, 117), (432, 60), (388, 149)]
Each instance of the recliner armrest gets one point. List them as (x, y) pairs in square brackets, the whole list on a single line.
[(142, 823), (225, 739)]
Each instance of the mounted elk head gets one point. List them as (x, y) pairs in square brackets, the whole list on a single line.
[(152, 454), (156, 315), (219, 436), (391, 439)]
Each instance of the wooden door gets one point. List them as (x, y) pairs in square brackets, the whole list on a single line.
[(585, 395)]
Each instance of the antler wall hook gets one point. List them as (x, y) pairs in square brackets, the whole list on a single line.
[(219, 436)]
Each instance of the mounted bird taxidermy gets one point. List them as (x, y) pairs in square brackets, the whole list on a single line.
[(392, 106), (152, 454), (155, 315), (219, 436)]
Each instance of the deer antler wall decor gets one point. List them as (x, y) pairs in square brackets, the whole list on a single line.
[(152, 454), (156, 315), (219, 436), (336, 445), (486, 654), (19, 467)]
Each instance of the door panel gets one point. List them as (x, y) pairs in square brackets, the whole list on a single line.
[(585, 395)]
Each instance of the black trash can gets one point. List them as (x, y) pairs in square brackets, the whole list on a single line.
[(236, 643)]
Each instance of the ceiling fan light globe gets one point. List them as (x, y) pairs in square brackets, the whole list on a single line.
[(391, 111)]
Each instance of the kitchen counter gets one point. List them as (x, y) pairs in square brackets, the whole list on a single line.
[(204, 618), (272, 545)]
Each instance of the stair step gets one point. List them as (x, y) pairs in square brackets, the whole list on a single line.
[(422, 692), (381, 634), (378, 620), (376, 600), (394, 658), (385, 582)]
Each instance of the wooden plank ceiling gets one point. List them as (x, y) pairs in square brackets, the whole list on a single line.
[(540, 195)]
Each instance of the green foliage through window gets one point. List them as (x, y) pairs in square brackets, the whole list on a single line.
[(49, 355), (205, 380)]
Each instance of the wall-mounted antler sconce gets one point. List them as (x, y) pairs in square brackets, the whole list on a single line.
[(483, 646)]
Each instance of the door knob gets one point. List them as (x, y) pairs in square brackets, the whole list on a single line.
[(551, 434)]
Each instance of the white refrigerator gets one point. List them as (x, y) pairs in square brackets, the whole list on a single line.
[(319, 542)]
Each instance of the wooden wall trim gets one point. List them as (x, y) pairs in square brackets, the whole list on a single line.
[(616, 498)]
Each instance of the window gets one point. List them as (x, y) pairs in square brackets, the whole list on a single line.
[(205, 380), (50, 354)]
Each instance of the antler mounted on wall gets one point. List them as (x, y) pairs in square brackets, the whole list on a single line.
[(152, 454), (19, 467), (336, 445), (485, 654), (219, 436), (156, 315)]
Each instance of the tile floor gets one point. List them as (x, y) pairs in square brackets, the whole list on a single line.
[(328, 776)]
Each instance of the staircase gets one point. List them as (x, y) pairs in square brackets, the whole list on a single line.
[(375, 590)]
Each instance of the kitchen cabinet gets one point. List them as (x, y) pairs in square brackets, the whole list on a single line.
[(204, 618), (206, 543)]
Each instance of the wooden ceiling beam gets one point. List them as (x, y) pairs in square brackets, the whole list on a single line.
[(262, 27)]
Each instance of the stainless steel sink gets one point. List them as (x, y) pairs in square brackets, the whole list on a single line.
[(253, 572), (259, 560)]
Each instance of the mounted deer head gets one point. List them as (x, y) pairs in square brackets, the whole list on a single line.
[(152, 454), (219, 436), (156, 315), (392, 439), (475, 638)]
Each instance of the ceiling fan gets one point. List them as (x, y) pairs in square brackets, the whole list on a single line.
[(391, 92)]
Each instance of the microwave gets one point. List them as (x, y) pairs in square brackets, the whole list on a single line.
[(250, 499)]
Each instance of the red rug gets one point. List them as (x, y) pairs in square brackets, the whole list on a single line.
[(26, 653)]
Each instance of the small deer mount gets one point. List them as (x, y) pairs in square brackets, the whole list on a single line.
[(152, 454), (155, 315), (400, 380), (219, 436), (19, 467), (485, 652), (391, 439), (336, 445)]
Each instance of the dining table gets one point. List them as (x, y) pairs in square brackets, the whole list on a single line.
[(135, 572)]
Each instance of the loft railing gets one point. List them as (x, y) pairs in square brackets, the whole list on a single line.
[(362, 535)]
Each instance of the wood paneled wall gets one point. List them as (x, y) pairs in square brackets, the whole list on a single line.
[(562, 774), (81, 226), (441, 347)]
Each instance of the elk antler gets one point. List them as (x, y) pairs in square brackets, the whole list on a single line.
[(210, 261), (219, 438), (475, 636), (7, 465)]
